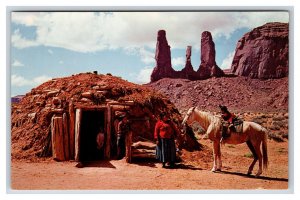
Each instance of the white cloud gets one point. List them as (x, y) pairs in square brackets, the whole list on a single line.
[(41, 79), (19, 42), (226, 63), (144, 75), (178, 63), (61, 62), (20, 81), (17, 63), (26, 18), (89, 32), (145, 55)]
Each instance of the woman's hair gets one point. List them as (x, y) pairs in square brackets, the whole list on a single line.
[(162, 114)]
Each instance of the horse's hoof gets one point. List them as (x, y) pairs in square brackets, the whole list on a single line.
[(257, 175)]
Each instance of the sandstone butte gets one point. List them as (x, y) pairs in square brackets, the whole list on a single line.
[(261, 53)]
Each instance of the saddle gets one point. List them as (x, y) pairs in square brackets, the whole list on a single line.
[(236, 126)]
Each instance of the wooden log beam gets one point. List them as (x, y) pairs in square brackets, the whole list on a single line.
[(66, 137), (108, 133), (89, 107), (77, 133), (57, 138), (125, 103), (128, 147), (72, 130), (142, 151), (143, 155), (120, 107)]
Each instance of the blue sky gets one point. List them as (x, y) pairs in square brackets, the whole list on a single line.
[(47, 45)]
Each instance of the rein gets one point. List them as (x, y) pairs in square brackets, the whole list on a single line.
[(187, 116)]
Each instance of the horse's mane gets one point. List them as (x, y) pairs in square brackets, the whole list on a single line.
[(209, 118), (205, 114)]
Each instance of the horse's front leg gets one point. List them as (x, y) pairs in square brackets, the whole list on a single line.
[(217, 157), (219, 167)]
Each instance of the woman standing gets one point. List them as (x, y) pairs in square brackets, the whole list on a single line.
[(164, 134)]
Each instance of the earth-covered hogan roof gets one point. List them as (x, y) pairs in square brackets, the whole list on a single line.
[(31, 117)]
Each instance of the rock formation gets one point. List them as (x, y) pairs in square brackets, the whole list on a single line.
[(263, 52), (163, 68), (208, 66), (188, 72)]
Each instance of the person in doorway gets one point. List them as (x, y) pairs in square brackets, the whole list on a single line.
[(164, 134), (100, 139), (123, 129)]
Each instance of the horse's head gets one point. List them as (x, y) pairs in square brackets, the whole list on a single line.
[(189, 117)]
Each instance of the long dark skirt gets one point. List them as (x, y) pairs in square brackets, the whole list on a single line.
[(166, 150)]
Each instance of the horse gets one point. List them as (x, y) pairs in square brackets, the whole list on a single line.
[(252, 133)]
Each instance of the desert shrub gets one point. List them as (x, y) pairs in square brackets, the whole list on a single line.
[(283, 134), (260, 119), (280, 123), (282, 150), (279, 118), (248, 155), (275, 136), (274, 127)]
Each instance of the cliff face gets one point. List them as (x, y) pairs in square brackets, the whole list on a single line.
[(207, 69), (263, 52)]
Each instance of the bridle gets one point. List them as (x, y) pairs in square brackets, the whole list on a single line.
[(183, 124), (187, 116)]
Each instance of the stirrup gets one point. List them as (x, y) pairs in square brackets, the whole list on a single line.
[(222, 140)]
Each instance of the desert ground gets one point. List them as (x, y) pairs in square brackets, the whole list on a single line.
[(192, 173)]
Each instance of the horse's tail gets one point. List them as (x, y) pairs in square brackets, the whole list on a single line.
[(265, 149)]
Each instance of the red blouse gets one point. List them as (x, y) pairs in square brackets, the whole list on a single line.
[(229, 117), (163, 130)]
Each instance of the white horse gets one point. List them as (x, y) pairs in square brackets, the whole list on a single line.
[(253, 134)]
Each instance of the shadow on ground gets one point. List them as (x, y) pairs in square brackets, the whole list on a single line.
[(253, 176), (102, 163)]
